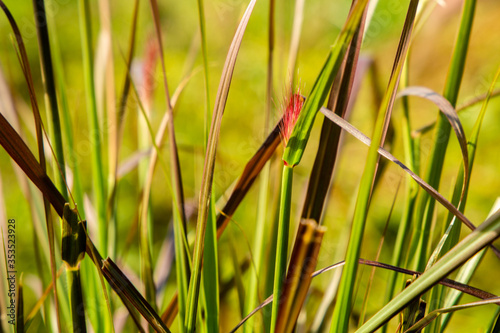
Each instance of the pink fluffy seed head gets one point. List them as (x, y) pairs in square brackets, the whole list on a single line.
[(291, 113)]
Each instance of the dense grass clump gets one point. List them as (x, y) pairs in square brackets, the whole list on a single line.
[(256, 166)]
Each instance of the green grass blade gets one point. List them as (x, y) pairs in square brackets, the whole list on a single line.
[(94, 128), (260, 230), (411, 190), (211, 272), (282, 244), (208, 169), (340, 321), (210, 275)]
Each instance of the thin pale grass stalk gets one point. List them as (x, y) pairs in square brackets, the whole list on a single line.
[(341, 314), (298, 18), (101, 323), (262, 208), (425, 206), (109, 109), (208, 169), (411, 190), (12, 145), (210, 254), (94, 128), (179, 214), (120, 112), (146, 171)]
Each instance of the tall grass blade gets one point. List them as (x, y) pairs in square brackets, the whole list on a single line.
[(208, 169), (340, 321), (177, 190), (94, 128), (260, 232), (50, 89)]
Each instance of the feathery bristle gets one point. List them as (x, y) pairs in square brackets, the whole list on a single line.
[(293, 104)]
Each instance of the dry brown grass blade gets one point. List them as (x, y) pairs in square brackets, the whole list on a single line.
[(126, 291), (22, 155), (302, 264), (248, 176)]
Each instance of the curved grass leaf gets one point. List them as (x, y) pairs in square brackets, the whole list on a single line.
[(451, 115), (208, 169), (429, 189)]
